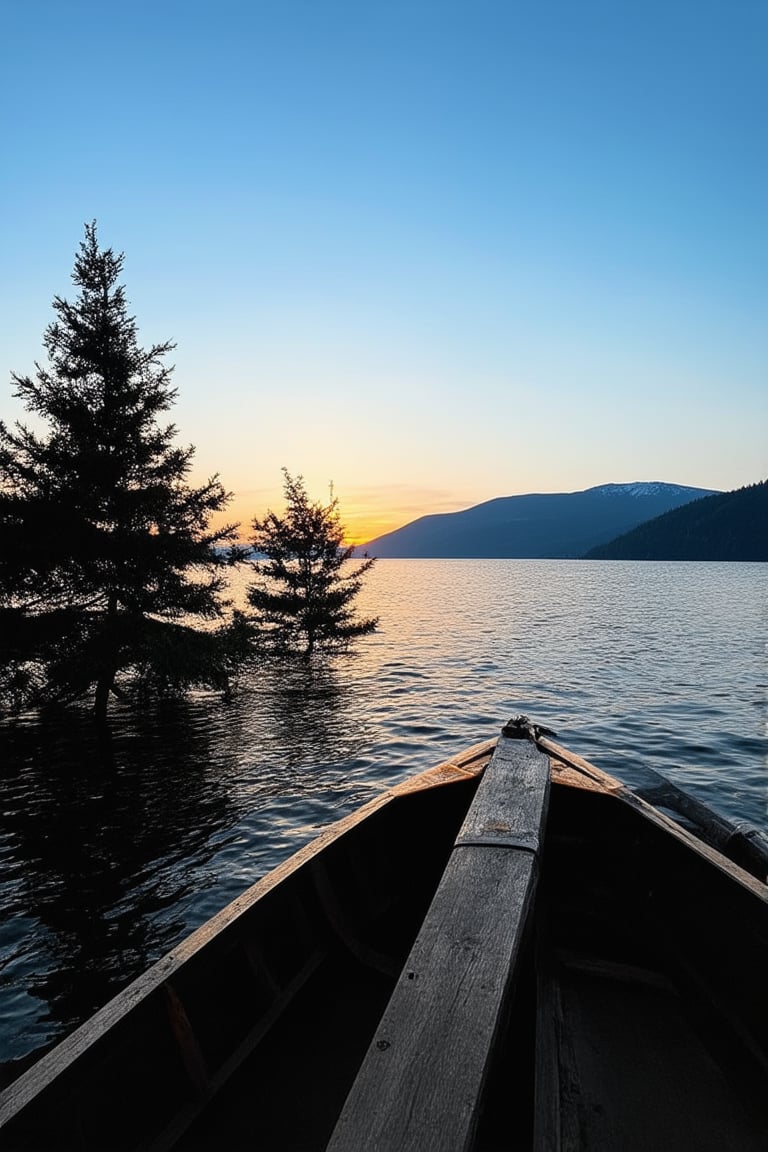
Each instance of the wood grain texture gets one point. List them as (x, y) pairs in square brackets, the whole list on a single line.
[(510, 802), (420, 1086)]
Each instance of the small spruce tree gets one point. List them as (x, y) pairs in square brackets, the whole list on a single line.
[(307, 581), (106, 553)]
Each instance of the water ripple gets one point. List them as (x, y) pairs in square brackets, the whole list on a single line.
[(635, 666)]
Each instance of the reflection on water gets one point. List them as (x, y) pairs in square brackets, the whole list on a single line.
[(110, 858), (633, 665), (92, 852)]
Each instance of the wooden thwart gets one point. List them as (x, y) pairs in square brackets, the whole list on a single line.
[(420, 1086)]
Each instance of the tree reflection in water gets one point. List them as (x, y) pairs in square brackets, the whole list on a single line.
[(93, 851), (310, 715), (111, 854)]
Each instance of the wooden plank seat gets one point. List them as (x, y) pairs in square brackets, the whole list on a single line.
[(421, 1084)]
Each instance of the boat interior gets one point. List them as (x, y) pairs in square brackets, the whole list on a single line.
[(642, 993), (635, 1018)]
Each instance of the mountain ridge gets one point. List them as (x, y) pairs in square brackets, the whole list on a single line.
[(536, 525)]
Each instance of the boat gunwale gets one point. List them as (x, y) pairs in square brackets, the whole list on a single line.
[(609, 785), (467, 764)]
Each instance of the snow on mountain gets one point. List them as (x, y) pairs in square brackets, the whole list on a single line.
[(641, 488)]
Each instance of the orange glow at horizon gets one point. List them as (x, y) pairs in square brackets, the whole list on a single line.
[(364, 526), (365, 513), (359, 527)]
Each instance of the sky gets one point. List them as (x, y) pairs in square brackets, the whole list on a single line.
[(431, 252)]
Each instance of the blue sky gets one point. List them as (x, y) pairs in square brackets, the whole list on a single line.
[(436, 252)]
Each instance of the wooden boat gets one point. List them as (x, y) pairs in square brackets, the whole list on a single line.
[(511, 950)]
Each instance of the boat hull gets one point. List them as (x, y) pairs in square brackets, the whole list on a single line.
[(632, 1015)]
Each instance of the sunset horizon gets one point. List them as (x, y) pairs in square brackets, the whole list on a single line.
[(433, 253), (368, 515)]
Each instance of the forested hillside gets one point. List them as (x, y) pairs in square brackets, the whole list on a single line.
[(726, 526)]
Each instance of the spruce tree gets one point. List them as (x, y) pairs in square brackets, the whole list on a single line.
[(106, 554), (307, 581)]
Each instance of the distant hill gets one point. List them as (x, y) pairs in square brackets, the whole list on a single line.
[(539, 525), (726, 526)]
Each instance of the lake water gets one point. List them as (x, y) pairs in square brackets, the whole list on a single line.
[(634, 666)]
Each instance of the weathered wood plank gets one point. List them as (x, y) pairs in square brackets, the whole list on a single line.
[(509, 805), (420, 1086)]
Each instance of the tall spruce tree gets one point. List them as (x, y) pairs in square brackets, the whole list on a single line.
[(307, 581), (106, 553)]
